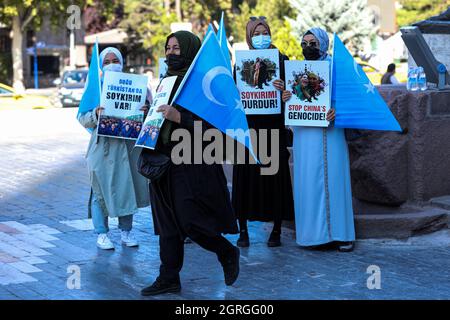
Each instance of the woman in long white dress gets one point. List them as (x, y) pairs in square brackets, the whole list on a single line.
[(322, 185)]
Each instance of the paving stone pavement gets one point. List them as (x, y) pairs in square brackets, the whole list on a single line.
[(46, 240)]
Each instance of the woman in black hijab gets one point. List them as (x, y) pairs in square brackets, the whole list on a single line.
[(189, 200), (259, 197)]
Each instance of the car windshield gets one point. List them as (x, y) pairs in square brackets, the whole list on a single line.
[(75, 77)]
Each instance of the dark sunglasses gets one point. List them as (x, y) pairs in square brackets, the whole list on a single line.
[(305, 44), (258, 18)]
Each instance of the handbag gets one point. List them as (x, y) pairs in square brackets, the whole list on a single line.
[(152, 165)]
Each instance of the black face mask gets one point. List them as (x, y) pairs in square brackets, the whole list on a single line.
[(175, 62), (311, 53)]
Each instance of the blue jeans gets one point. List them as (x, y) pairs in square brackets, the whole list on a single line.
[(100, 220)]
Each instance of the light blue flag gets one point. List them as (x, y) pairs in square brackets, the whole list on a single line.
[(358, 103), (209, 91), (91, 96), (210, 29), (222, 35)]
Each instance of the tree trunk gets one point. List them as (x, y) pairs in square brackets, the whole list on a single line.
[(16, 50), (167, 7), (178, 10)]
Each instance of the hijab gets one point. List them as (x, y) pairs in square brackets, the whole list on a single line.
[(250, 30), (110, 50), (321, 36), (189, 46)]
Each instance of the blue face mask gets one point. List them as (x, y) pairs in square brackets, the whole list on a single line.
[(115, 67), (261, 41)]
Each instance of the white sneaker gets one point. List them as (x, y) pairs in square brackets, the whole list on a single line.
[(128, 239), (103, 242)]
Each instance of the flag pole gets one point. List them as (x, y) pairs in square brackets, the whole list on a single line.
[(177, 93)]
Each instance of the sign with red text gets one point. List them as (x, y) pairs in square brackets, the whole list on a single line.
[(255, 72), (309, 82)]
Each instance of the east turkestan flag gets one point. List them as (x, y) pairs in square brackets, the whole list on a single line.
[(358, 103), (91, 96), (208, 90)]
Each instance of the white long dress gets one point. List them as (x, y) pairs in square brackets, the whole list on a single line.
[(322, 186)]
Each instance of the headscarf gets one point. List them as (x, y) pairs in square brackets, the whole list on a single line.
[(110, 50), (321, 36), (250, 30), (189, 46)]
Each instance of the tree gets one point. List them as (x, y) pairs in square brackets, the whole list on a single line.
[(147, 25), (23, 15), (201, 13), (101, 15), (412, 11), (147, 22), (276, 13), (350, 19)]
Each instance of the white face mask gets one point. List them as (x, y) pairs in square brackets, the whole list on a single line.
[(115, 67)]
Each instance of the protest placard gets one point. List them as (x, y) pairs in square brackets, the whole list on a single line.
[(154, 120), (123, 95), (309, 82), (255, 72)]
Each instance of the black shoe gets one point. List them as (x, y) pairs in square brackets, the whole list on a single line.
[(161, 286), (231, 266), (274, 239), (346, 246), (243, 240)]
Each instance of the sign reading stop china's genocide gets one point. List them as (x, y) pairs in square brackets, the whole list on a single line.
[(309, 82), (255, 72), (123, 95)]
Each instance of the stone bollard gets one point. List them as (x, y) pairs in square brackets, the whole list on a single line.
[(390, 168)]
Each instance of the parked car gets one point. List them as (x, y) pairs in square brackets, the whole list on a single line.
[(71, 87), (9, 99)]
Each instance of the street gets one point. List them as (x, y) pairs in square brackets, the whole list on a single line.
[(48, 247)]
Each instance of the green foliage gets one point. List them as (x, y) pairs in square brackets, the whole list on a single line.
[(147, 26), (350, 19), (239, 23), (201, 13), (412, 11), (32, 12), (287, 42), (276, 13), (147, 22)]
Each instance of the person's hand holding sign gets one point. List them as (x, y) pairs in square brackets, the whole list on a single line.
[(170, 113), (98, 111), (144, 108), (278, 84), (286, 95), (331, 115)]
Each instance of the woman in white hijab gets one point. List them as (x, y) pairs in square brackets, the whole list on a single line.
[(117, 189), (322, 185)]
